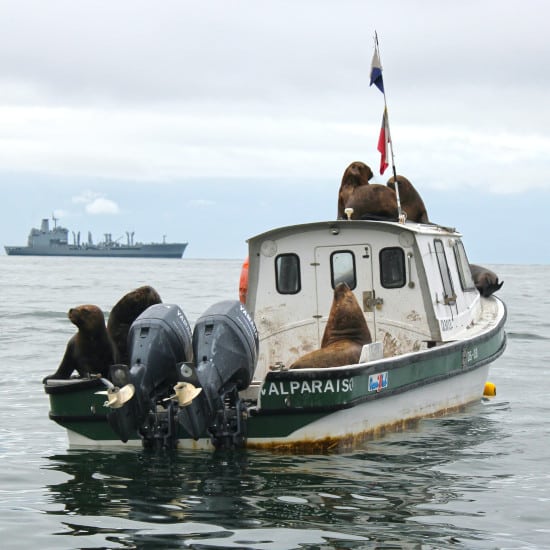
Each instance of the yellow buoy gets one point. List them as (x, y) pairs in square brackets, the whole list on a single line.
[(490, 390)]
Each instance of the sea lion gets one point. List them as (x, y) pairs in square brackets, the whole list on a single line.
[(355, 175), (345, 334), (90, 350), (374, 201), (411, 202), (124, 313), (486, 281)]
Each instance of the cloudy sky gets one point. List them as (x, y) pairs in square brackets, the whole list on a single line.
[(211, 121)]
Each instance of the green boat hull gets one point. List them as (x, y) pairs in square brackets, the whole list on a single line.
[(317, 409)]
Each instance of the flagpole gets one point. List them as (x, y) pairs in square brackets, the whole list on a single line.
[(399, 211)]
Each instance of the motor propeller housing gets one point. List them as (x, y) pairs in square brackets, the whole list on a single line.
[(158, 340), (225, 347), (200, 394)]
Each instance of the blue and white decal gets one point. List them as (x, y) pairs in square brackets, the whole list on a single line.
[(378, 381)]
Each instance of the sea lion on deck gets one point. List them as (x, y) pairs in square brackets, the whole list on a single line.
[(124, 313), (372, 201), (345, 334), (90, 350), (486, 281), (355, 175), (411, 202)]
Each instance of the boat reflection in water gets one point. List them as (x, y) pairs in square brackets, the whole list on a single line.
[(221, 499)]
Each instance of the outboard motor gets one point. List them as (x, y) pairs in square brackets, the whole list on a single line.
[(159, 340), (225, 347)]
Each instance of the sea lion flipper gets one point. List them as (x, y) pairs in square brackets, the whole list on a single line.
[(67, 365)]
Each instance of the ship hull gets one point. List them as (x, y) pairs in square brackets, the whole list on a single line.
[(174, 250)]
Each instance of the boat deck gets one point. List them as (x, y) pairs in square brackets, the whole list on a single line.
[(492, 314)]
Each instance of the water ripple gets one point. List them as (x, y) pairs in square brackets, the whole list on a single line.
[(476, 479), (526, 336)]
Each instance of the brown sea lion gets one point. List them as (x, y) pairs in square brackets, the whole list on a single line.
[(373, 200), (345, 334), (90, 350), (355, 175), (411, 202), (124, 313), (486, 281)]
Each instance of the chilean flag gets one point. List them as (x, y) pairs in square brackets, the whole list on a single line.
[(383, 141), (376, 72)]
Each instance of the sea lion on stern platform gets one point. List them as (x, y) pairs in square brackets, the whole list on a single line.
[(90, 350), (345, 334), (411, 202), (486, 281), (124, 313), (355, 175)]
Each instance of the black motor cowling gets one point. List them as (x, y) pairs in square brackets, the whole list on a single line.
[(225, 347), (158, 341), (161, 349)]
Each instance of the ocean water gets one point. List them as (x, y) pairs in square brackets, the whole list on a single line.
[(476, 479)]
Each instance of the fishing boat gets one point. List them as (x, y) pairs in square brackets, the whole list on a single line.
[(227, 382), (46, 241), (232, 381)]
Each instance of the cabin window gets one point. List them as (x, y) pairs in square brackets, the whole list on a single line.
[(392, 267), (448, 289), (463, 267), (342, 268), (287, 273)]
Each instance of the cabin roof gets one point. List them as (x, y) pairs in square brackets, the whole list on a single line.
[(418, 228)]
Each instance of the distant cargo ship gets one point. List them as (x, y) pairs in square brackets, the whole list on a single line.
[(55, 242)]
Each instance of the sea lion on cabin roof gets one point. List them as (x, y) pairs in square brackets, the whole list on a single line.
[(411, 202), (355, 175), (90, 350), (486, 281), (124, 313), (372, 201), (345, 334)]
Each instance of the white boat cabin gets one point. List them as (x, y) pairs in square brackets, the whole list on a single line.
[(412, 281)]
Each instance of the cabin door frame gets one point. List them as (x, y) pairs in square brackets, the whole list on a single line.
[(331, 264)]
